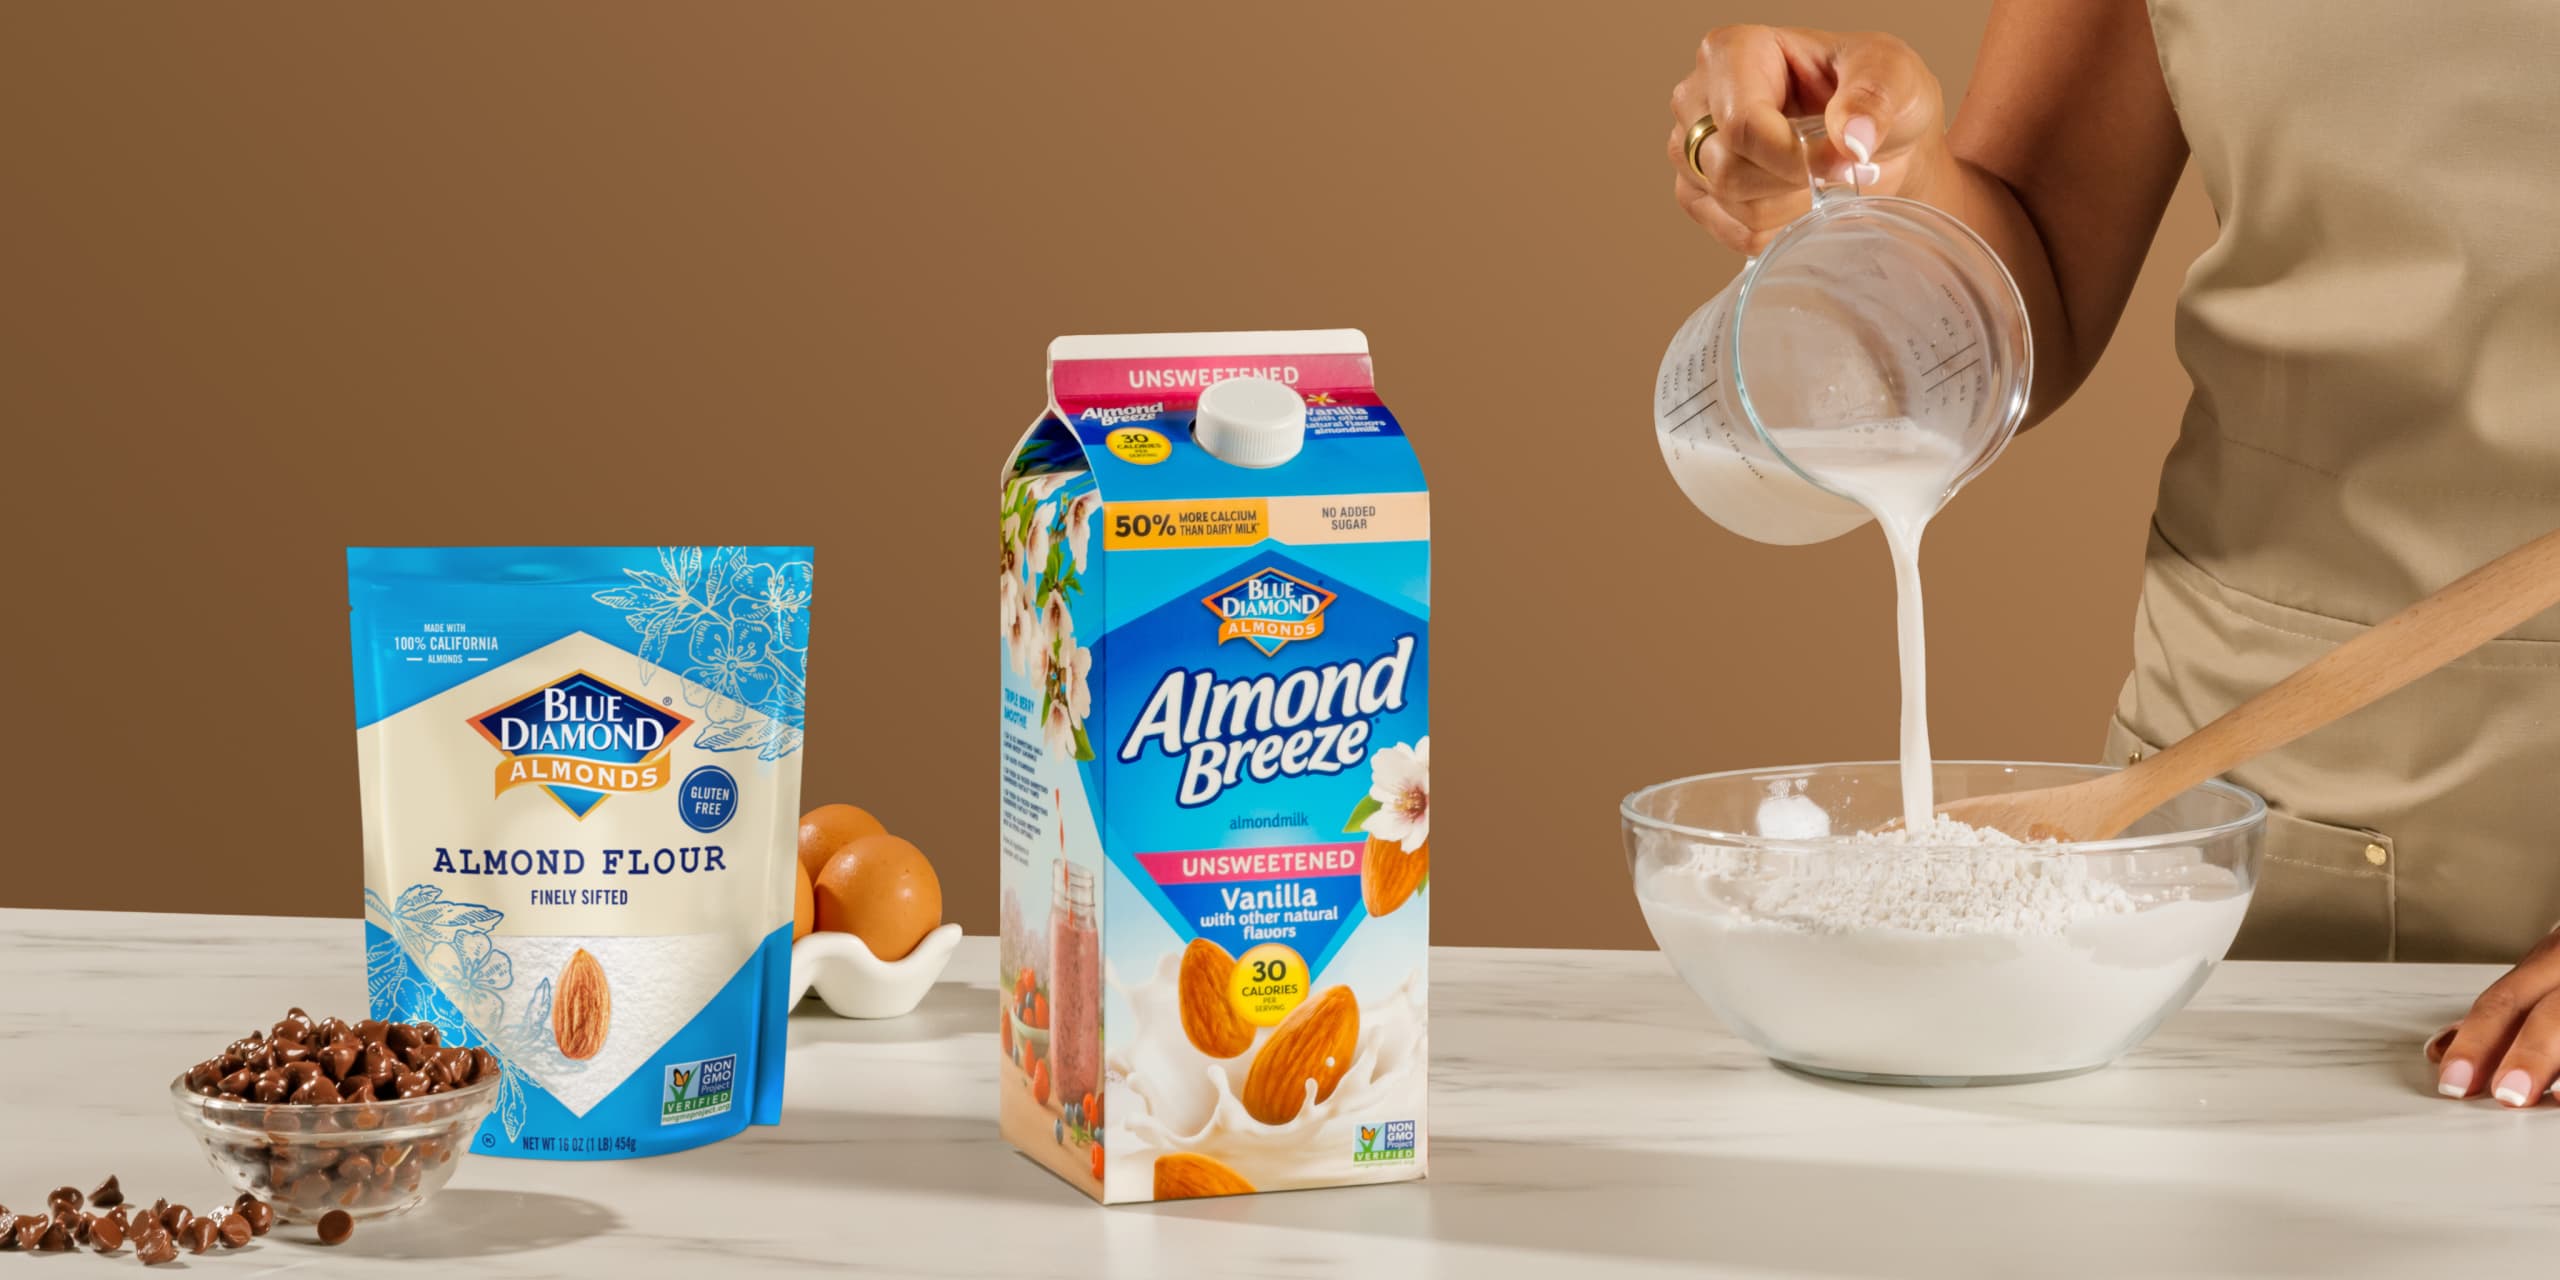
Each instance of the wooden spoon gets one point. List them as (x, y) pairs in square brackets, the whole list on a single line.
[(2474, 610)]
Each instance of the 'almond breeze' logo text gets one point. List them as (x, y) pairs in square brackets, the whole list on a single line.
[(581, 740), (1267, 609), (1312, 720), (1126, 413)]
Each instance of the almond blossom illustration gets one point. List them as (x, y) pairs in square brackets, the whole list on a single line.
[(1398, 808), (1041, 553)]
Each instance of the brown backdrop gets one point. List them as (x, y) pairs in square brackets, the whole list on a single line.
[(278, 280)]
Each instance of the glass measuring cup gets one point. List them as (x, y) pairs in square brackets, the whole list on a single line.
[(1876, 342)]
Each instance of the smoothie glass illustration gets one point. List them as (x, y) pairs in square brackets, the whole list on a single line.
[(1075, 984)]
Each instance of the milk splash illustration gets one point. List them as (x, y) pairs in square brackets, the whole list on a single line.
[(1185, 1102)]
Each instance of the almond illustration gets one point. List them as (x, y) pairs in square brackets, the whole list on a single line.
[(1314, 1043), (1208, 1016), (581, 1007), (1184, 1176), (1389, 875)]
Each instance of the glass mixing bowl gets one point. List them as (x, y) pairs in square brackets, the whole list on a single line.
[(1921, 964)]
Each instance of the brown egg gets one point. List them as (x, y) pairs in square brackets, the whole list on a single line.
[(804, 904), (830, 827), (880, 889)]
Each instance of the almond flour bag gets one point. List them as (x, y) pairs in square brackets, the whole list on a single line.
[(581, 782)]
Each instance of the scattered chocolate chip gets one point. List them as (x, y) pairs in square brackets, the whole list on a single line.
[(175, 1217), (235, 1231), (64, 1198), (108, 1195), (27, 1229), (106, 1232), (259, 1213), (155, 1248), (199, 1235), (55, 1238), (335, 1226)]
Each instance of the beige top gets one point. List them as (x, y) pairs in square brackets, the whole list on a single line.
[(2374, 339)]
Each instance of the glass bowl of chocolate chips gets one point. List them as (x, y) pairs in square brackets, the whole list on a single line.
[(313, 1115)]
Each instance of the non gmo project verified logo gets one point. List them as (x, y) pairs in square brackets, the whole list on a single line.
[(698, 1090), (1380, 1142)]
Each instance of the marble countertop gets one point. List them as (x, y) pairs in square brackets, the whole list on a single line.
[(1588, 1118)]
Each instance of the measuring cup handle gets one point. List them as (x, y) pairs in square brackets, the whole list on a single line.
[(1811, 133)]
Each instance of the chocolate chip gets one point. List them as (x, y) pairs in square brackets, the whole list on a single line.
[(155, 1248), (108, 1195), (235, 1231), (28, 1228), (175, 1217), (64, 1198), (200, 1235), (335, 1226), (340, 1058), (106, 1232), (55, 1238), (273, 1086), (260, 1214), (313, 1092)]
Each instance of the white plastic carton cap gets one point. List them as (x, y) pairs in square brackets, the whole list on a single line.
[(1251, 422)]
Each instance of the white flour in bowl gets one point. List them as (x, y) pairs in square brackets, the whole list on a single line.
[(1952, 952)]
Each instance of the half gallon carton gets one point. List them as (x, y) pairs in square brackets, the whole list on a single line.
[(1215, 821)]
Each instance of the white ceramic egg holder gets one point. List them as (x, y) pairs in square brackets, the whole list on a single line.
[(853, 983)]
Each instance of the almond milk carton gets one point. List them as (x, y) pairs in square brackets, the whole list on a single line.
[(1215, 589)]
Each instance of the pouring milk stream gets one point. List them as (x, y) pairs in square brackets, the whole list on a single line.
[(1868, 363)]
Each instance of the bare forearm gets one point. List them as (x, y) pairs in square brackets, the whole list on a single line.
[(2063, 157)]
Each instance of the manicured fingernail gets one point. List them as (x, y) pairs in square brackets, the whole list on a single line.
[(2456, 1080), (1859, 136), (2516, 1089)]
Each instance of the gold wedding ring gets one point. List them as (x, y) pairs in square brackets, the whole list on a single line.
[(1700, 129)]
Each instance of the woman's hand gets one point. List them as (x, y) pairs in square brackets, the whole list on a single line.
[(2062, 159), (2508, 1046), (1878, 101)]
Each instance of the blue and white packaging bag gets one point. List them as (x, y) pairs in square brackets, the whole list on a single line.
[(581, 788)]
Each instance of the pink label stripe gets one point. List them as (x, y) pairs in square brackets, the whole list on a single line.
[(1200, 866), (1178, 379)]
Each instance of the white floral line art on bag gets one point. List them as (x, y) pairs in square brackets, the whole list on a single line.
[(745, 628), (1042, 550), (439, 966)]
